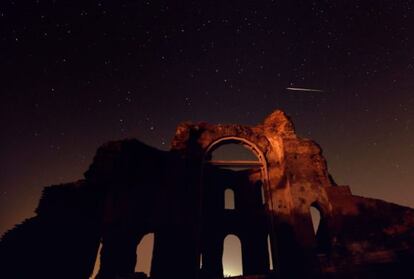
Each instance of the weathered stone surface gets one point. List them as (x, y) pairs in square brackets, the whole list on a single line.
[(132, 189)]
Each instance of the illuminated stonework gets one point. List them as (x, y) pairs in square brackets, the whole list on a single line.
[(132, 189)]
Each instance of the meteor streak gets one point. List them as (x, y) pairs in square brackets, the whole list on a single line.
[(303, 89)]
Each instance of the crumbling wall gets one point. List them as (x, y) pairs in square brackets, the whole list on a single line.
[(60, 241), (368, 237), (147, 191)]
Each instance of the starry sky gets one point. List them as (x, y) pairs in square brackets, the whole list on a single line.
[(76, 74)]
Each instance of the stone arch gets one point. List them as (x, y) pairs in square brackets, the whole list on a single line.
[(246, 143), (322, 206), (238, 140), (254, 244)]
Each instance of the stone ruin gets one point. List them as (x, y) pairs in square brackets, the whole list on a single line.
[(132, 189)]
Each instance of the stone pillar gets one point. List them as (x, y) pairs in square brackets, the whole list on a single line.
[(213, 255), (174, 254), (255, 253), (118, 254)]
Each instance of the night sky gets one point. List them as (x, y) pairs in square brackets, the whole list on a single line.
[(76, 74)]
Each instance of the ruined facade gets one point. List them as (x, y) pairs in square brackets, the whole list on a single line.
[(132, 189)]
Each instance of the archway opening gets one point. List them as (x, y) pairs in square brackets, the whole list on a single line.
[(233, 154), (262, 192), (229, 200), (269, 249), (97, 264), (316, 218), (232, 256), (322, 241), (233, 151), (144, 254)]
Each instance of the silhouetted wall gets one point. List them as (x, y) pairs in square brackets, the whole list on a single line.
[(132, 189)]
